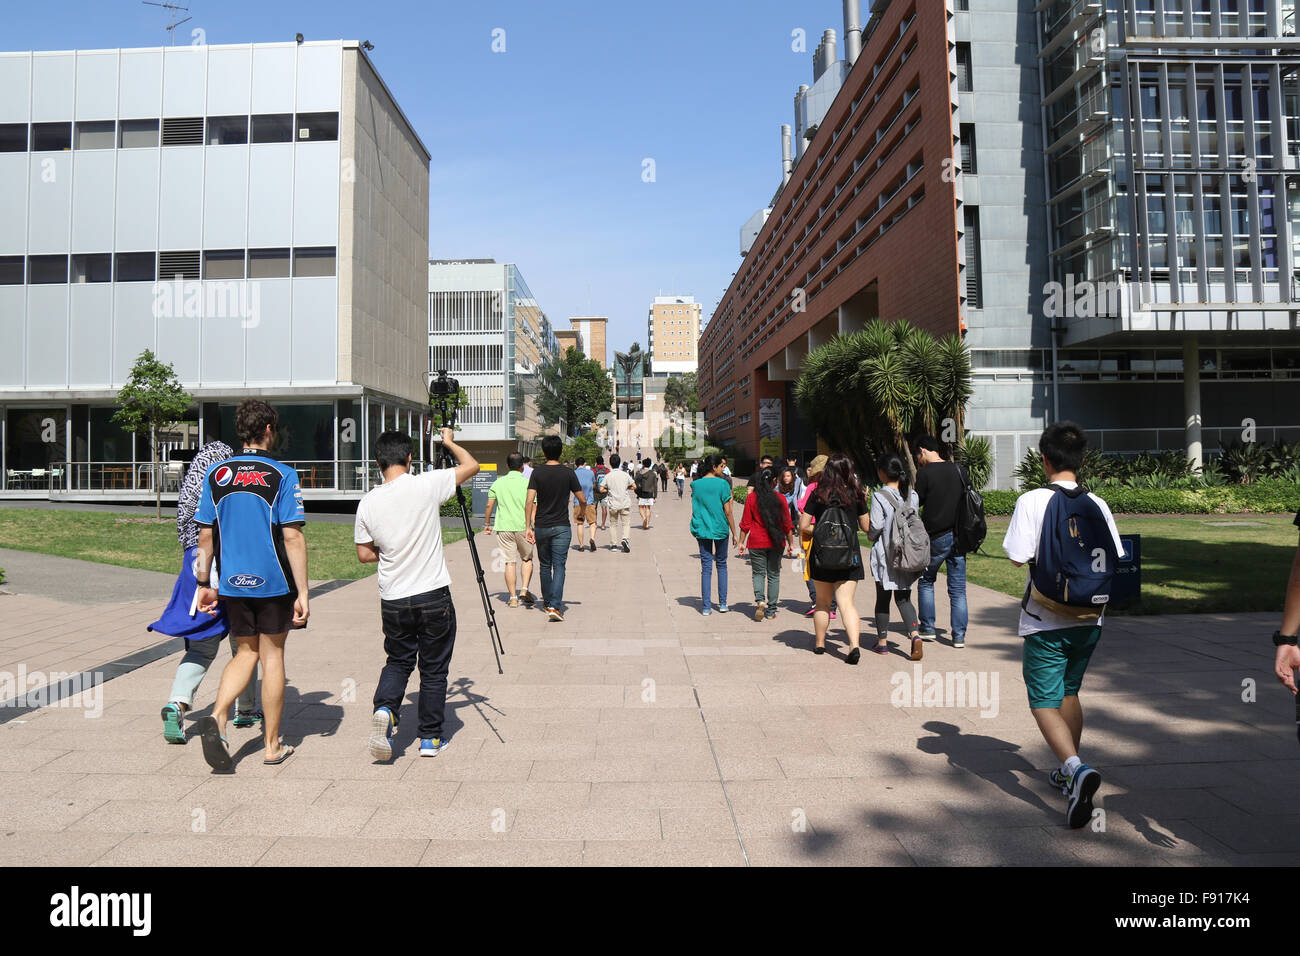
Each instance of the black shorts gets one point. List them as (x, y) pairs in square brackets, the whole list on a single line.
[(250, 617)]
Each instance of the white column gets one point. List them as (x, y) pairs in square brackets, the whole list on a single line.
[(1192, 400)]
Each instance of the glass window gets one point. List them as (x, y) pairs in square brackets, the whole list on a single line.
[(314, 261), (317, 127), (11, 270), (137, 266), (36, 438), (96, 135), (227, 130), (268, 263), (223, 264), (13, 137), (273, 128), (137, 134), (51, 136), (92, 267), (109, 442), (47, 270)]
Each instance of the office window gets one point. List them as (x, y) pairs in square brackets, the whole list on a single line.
[(968, 161), (11, 270), (964, 68), (223, 264), (136, 267), (974, 286), (182, 131), (138, 133), (51, 137), (96, 135), (13, 137), (273, 128), (318, 261), (318, 126), (47, 270), (227, 130), (92, 267), (268, 263)]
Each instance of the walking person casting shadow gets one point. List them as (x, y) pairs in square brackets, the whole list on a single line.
[(832, 517)]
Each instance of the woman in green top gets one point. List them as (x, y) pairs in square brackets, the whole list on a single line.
[(710, 520)]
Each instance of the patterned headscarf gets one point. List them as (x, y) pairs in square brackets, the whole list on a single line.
[(187, 502)]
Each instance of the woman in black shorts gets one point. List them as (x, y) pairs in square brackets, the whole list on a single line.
[(838, 486)]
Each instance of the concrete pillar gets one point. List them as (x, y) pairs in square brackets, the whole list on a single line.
[(1192, 399)]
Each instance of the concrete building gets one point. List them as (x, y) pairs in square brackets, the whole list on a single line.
[(486, 330), (568, 338), (1040, 178), (255, 214), (673, 333), (592, 329)]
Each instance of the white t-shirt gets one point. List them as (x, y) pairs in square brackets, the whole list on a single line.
[(618, 483), (400, 518), (1021, 545)]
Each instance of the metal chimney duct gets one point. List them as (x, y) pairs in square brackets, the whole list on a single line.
[(819, 61), (829, 53), (787, 159), (852, 31)]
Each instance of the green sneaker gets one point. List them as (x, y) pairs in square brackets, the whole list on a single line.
[(247, 718), (173, 719)]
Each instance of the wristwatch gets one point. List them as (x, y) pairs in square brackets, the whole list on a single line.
[(1279, 639), (203, 584)]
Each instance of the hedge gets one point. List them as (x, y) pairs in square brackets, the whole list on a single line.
[(1260, 498), (740, 493)]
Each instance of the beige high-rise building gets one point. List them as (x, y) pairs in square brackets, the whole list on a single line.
[(592, 330), (674, 334), (569, 337)]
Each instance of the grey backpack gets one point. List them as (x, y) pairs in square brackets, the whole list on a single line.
[(908, 549)]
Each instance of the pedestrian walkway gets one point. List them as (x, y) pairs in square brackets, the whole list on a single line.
[(639, 732)]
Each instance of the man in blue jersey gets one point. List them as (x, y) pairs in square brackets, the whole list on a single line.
[(250, 517)]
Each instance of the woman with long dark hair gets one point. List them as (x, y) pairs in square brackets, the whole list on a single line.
[(885, 502), (766, 521), (836, 502), (710, 521), (787, 486)]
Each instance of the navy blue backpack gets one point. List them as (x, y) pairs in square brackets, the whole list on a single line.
[(1076, 560)]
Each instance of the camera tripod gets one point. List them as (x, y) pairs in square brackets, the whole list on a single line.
[(440, 392)]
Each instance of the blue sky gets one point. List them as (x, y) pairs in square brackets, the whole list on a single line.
[(538, 151)]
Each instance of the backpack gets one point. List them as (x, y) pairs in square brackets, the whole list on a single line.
[(647, 483), (971, 529), (1072, 572), (835, 539), (908, 549), (599, 494)]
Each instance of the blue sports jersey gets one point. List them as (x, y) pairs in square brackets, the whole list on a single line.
[(247, 500)]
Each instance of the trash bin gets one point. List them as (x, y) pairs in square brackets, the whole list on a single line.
[(1126, 588)]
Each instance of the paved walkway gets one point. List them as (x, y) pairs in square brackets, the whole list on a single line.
[(640, 732)]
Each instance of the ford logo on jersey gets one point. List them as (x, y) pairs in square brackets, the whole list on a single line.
[(223, 476), (245, 581)]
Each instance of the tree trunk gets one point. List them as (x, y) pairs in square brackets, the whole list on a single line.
[(157, 485)]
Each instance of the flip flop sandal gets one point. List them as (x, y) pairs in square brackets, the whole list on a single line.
[(216, 748), (285, 753)]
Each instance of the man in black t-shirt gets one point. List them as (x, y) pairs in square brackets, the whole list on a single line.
[(549, 488), (1288, 655), (939, 486)]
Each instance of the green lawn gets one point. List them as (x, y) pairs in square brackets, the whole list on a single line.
[(1190, 564), (139, 541)]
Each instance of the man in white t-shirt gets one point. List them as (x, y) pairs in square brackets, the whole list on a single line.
[(618, 485), (1058, 643), (398, 526)]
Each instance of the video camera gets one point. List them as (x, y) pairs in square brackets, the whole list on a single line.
[(442, 398)]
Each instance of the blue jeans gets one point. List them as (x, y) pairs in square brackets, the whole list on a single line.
[(943, 548), (418, 629), (711, 551), (552, 553)]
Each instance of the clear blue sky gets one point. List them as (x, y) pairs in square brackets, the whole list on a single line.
[(537, 151)]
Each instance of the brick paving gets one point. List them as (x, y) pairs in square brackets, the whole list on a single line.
[(639, 732)]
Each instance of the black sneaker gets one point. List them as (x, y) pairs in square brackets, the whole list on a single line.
[(593, 545), (1079, 806), (626, 549)]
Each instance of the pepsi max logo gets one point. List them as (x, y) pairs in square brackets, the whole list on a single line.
[(223, 476), (244, 479), (245, 581)]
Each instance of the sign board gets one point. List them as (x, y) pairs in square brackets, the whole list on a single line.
[(1126, 587), (770, 430), (479, 486)]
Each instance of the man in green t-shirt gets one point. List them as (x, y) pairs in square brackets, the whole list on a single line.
[(506, 498)]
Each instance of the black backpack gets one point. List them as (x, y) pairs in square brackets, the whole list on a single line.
[(835, 544), (971, 528), (647, 483)]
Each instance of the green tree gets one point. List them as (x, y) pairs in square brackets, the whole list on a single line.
[(575, 390), (681, 394), (866, 393), (151, 400)]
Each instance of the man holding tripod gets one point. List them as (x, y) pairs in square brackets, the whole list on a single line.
[(398, 526)]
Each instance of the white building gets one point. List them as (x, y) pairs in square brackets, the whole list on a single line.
[(673, 330), (255, 214)]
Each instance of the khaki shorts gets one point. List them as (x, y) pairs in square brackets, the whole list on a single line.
[(584, 513), (514, 545)]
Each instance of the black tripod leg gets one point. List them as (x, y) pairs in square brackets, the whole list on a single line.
[(494, 634)]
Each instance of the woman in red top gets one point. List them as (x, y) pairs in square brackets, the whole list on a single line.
[(766, 521)]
